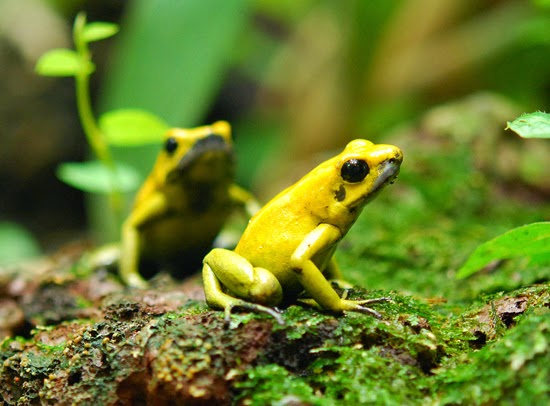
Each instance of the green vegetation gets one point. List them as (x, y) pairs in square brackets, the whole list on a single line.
[(174, 351), (512, 370), (532, 240), (534, 125), (122, 127), (16, 243), (459, 242)]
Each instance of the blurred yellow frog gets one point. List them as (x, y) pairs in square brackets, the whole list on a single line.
[(289, 244), (183, 204)]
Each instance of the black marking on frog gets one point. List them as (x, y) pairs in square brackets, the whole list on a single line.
[(340, 194)]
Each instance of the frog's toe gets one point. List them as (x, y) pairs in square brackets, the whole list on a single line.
[(276, 315), (368, 310), (227, 315), (375, 300), (252, 307), (341, 284), (359, 306), (310, 302), (264, 309)]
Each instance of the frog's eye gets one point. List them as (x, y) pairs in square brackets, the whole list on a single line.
[(170, 145), (354, 170)]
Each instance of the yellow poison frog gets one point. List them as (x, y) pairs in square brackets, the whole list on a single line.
[(183, 203), (289, 244)]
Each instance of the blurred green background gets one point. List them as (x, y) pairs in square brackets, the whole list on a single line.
[(297, 80)]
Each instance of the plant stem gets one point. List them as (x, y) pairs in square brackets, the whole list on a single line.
[(93, 133), (83, 99)]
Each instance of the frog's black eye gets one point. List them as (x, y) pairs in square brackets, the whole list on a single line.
[(354, 170), (170, 145)]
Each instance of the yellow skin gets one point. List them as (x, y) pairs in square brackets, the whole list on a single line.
[(289, 244), (183, 203)]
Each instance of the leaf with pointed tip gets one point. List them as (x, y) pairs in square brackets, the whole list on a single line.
[(62, 62), (533, 125), (98, 30), (132, 127), (526, 241), (95, 177)]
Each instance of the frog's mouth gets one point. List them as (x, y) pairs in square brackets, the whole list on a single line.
[(387, 172), (209, 149), (209, 160)]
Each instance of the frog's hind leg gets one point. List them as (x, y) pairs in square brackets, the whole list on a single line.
[(254, 287)]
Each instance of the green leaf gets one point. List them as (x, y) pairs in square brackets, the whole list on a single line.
[(16, 243), (540, 259), (98, 30), (533, 125), (526, 241), (132, 127), (95, 177), (542, 3), (62, 62)]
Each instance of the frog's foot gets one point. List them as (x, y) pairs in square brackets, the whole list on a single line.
[(239, 303), (359, 306), (341, 284), (375, 300), (352, 305), (311, 303), (244, 286)]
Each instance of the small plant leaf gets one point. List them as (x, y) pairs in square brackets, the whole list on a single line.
[(533, 125), (526, 241), (16, 243), (98, 30), (62, 62), (95, 177), (132, 127)]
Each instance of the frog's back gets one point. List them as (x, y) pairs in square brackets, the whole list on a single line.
[(275, 232)]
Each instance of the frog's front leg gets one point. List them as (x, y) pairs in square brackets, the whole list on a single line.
[(245, 199), (253, 287), (323, 237), (129, 258), (130, 251)]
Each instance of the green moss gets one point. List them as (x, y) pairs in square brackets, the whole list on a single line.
[(418, 353), (273, 384), (405, 358), (414, 356), (360, 376), (354, 358), (513, 370), (303, 320)]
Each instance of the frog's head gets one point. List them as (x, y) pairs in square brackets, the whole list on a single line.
[(201, 154), (363, 169)]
